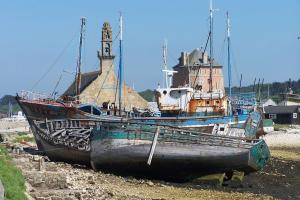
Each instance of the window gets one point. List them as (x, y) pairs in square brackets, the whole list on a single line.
[(272, 116), (295, 115)]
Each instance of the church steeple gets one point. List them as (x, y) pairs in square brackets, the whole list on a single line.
[(106, 55), (106, 40)]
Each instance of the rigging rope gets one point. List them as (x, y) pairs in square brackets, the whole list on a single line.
[(54, 63), (57, 83), (193, 85), (198, 69)]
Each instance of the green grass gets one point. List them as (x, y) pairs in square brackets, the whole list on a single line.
[(11, 177), (278, 126), (24, 138)]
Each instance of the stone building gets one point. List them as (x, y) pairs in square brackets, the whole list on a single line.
[(101, 86), (194, 69)]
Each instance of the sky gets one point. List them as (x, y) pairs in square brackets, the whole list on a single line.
[(39, 39)]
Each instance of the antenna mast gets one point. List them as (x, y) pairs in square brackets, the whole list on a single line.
[(120, 64), (229, 64), (254, 84), (78, 69), (165, 64), (241, 83)]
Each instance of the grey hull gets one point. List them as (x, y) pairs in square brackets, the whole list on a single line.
[(172, 159)]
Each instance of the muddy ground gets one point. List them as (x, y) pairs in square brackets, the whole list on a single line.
[(279, 180)]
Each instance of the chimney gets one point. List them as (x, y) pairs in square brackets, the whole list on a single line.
[(205, 58), (183, 58)]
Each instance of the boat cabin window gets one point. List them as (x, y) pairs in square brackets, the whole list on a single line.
[(90, 109), (164, 92)]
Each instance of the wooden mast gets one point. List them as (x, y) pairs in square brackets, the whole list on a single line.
[(211, 46), (78, 69)]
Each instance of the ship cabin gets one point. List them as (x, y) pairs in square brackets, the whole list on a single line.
[(190, 91)]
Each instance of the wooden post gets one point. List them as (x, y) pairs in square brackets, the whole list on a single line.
[(1, 191), (153, 146), (41, 164)]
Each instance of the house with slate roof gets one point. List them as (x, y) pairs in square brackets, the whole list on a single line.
[(283, 114)]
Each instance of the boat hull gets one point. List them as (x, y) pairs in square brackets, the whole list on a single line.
[(43, 109), (129, 152), (60, 143), (61, 153)]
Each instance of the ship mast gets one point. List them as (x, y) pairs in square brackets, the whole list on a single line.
[(168, 74), (120, 64), (229, 64), (211, 46), (78, 69)]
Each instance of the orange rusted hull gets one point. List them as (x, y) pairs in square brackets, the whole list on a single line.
[(208, 105)]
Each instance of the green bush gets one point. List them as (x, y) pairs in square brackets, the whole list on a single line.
[(22, 133)]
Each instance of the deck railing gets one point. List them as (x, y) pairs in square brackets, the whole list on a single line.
[(31, 95)]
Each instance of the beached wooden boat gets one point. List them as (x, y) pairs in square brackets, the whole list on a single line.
[(83, 140), (174, 151)]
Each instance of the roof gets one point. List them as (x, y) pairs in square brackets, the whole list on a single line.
[(268, 102), (86, 80), (195, 58), (281, 109)]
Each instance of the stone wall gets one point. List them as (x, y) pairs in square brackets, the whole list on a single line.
[(103, 89)]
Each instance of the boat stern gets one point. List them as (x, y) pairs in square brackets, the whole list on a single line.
[(259, 155)]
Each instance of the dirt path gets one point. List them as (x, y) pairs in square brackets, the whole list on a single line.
[(63, 181), (279, 180)]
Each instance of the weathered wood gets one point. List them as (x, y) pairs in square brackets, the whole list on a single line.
[(56, 133), (153, 146)]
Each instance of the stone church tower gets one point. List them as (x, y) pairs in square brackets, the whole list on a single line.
[(101, 86), (105, 55)]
